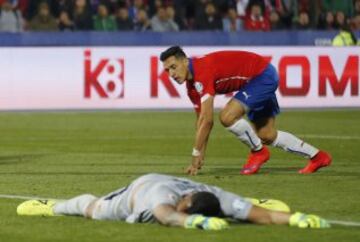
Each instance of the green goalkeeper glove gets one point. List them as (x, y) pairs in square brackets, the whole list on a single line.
[(308, 221), (206, 223)]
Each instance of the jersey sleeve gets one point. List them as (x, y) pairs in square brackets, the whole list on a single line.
[(162, 195), (233, 205), (205, 87), (199, 92)]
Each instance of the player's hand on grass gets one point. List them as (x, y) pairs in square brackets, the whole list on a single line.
[(191, 170), (308, 221), (206, 223), (196, 164)]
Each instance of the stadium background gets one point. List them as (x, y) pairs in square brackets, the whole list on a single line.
[(117, 116)]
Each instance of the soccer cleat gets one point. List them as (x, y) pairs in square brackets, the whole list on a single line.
[(255, 160), (321, 159), (36, 208)]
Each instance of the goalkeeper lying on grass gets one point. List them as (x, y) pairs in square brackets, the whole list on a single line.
[(173, 201)]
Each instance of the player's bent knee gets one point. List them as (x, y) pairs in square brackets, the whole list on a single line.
[(227, 118), (267, 138), (267, 141), (90, 207)]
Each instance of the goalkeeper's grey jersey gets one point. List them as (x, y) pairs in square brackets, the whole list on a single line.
[(136, 202)]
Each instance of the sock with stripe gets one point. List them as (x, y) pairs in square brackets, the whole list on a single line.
[(74, 206), (293, 144), (246, 134)]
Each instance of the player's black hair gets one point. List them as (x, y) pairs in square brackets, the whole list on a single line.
[(205, 203), (172, 51)]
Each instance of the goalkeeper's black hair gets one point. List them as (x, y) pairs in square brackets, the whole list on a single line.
[(205, 203), (172, 51)]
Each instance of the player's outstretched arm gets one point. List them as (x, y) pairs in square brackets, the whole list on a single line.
[(168, 216), (260, 215), (203, 129)]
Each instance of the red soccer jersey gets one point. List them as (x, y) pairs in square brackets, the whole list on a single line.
[(222, 72)]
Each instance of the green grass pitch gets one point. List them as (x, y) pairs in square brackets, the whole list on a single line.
[(61, 155)]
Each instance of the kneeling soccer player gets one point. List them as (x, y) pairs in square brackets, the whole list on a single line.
[(254, 81), (171, 201)]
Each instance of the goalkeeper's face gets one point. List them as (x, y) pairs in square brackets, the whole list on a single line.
[(177, 68)]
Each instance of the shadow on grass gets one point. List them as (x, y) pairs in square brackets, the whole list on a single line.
[(128, 164), (321, 172), (12, 159), (50, 173), (231, 170)]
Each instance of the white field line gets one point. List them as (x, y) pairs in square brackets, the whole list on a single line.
[(21, 197), (345, 223)]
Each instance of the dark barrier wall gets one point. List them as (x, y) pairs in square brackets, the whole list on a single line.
[(279, 38)]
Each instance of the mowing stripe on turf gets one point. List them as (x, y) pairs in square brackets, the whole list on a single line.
[(337, 137), (159, 137)]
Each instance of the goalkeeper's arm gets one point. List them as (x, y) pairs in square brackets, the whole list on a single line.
[(168, 216), (264, 216)]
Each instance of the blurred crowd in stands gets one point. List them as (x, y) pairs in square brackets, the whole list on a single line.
[(178, 15)]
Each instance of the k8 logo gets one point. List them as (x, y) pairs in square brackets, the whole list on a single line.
[(105, 77)]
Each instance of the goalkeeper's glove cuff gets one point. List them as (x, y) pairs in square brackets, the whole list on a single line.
[(191, 221), (206, 223)]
